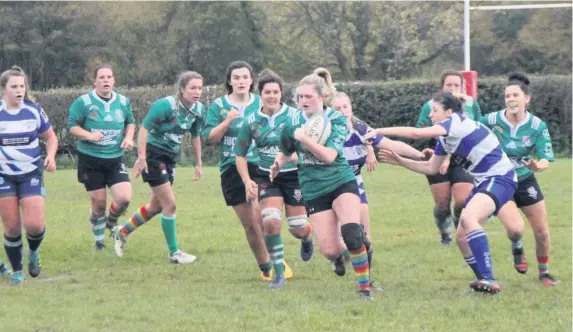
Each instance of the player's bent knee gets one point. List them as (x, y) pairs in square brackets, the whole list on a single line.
[(269, 214), (441, 213), (353, 236), (297, 222)]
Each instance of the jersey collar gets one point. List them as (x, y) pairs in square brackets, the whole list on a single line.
[(95, 95), (240, 109), (515, 128)]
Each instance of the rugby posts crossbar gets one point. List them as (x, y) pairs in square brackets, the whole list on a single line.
[(533, 6)]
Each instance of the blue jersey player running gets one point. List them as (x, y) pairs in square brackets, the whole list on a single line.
[(474, 147), (22, 124)]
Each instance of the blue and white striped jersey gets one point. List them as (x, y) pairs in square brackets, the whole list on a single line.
[(474, 147), (354, 149), (20, 151)]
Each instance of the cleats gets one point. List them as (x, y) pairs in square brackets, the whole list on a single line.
[(119, 239), (375, 287), (4, 271), (446, 239), (365, 294), (180, 257), (34, 263), (339, 266), (267, 275), (17, 279), (519, 261), (99, 246), (279, 282), (547, 279), (288, 270), (485, 285), (306, 249)]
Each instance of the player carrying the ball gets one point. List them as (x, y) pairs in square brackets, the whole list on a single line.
[(264, 127), (327, 182)]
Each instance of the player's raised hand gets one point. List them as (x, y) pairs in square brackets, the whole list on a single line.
[(428, 153), (232, 115), (533, 165), (299, 134)]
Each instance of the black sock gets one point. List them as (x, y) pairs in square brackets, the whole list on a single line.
[(35, 240), (13, 247)]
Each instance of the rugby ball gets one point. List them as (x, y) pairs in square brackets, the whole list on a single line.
[(318, 128)]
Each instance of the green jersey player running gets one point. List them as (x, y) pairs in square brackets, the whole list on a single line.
[(522, 134), (225, 117), (327, 182), (158, 148), (264, 127), (454, 182), (103, 123)]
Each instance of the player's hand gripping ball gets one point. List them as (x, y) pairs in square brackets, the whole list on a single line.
[(318, 128)]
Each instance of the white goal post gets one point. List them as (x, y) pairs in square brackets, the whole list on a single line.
[(467, 9)]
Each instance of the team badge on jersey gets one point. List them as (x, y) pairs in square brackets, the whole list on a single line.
[(44, 115), (526, 140), (497, 129), (93, 115), (119, 116), (255, 127)]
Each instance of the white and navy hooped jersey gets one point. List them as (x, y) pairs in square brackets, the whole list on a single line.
[(354, 149), (474, 147), (20, 151)]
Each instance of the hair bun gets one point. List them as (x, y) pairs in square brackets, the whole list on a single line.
[(266, 72), (519, 77), (16, 68)]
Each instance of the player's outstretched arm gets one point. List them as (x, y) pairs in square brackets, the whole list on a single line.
[(428, 167), (409, 132), (400, 148)]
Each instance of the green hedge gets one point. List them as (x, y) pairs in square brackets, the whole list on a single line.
[(379, 104)]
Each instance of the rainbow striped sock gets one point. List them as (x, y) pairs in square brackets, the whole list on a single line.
[(139, 218), (543, 264), (113, 215), (359, 260)]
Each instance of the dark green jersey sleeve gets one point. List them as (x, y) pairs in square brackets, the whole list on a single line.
[(477, 110), (287, 140), (197, 125), (543, 145), (212, 120), (77, 113), (424, 117), (129, 118), (338, 133), (244, 139), (157, 114)]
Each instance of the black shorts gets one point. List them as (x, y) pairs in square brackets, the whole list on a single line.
[(97, 173), (324, 202), (233, 186), (285, 185), (527, 192), (455, 174), (160, 166)]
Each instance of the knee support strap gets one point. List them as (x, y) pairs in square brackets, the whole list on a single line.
[(353, 236), (271, 214), (297, 221)]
